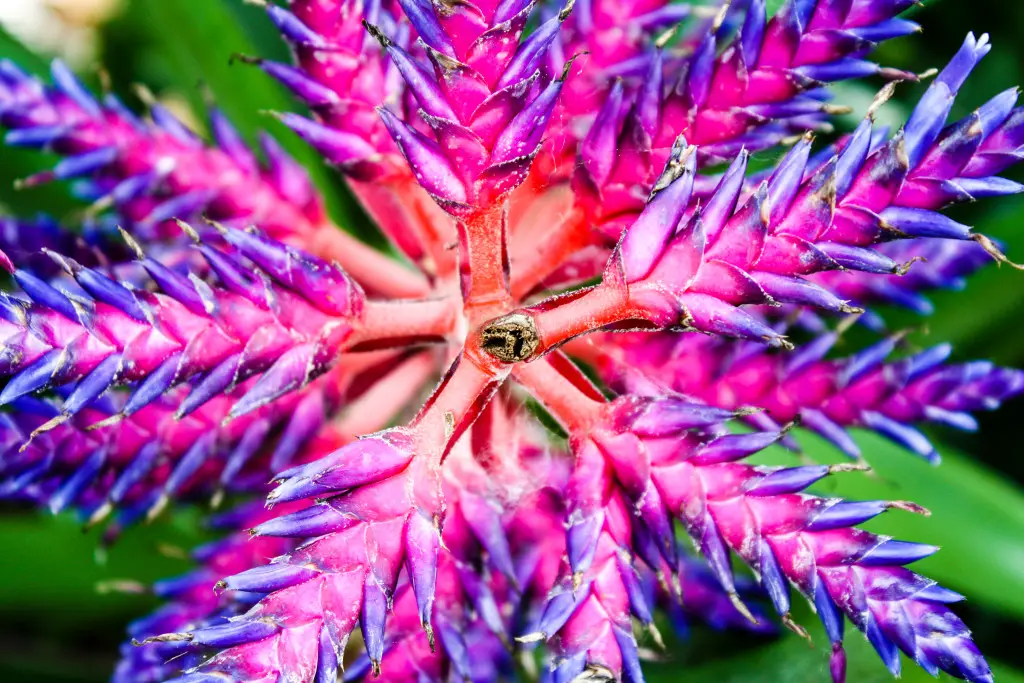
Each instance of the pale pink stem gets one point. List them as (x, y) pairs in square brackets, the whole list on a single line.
[(588, 349), (483, 264), (354, 363), (372, 269), (458, 401), (390, 214), (563, 389), (561, 320), (412, 221), (540, 250), (388, 397), (536, 187), (398, 323), (534, 209)]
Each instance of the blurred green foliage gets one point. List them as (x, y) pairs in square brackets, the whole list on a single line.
[(55, 626)]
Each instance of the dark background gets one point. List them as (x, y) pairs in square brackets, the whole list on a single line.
[(55, 626)]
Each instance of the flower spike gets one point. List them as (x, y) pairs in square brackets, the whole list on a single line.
[(148, 172), (130, 162), (787, 537), (674, 268), (544, 169), (192, 600), (482, 103), (151, 455), (827, 396), (114, 334)]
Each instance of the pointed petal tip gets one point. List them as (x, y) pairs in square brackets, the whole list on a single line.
[(742, 608)]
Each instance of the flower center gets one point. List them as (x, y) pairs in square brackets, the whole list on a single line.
[(512, 338)]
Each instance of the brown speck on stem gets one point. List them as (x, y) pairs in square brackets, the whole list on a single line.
[(449, 424)]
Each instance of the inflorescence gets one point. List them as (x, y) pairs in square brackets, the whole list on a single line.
[(515, 153)]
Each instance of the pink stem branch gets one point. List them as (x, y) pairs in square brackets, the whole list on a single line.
[(563, 389), (412, 221), (386, 324), (483, 263), (388, 396), (556, 321), (372, 269), (458, 401), (536, 254)]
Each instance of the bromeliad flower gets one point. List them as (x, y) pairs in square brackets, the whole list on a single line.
[(229, 335), (826, 396)]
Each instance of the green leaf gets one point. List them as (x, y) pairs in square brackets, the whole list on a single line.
[(57, 627), (977, 516), (196, 40), (55, 571)]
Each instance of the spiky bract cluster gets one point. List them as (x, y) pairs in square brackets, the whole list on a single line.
[(508, 149)]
